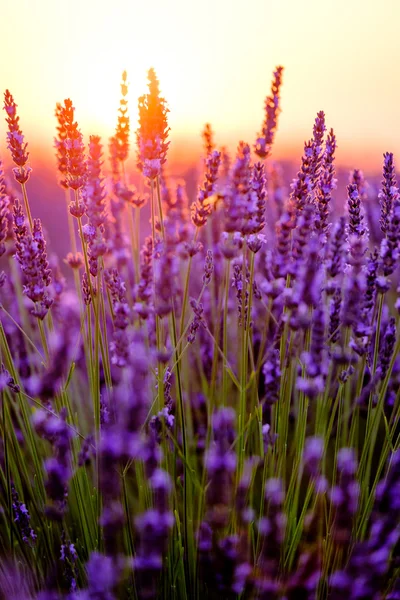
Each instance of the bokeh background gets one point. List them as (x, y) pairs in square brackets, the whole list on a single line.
[(214, 59)]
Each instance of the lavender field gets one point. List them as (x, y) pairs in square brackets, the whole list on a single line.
[(207, 405)]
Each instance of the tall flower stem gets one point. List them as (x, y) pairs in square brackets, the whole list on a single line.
[(187, 490), (26, 204), (225, 334)]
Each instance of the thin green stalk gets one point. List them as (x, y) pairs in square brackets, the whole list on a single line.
[(225, 334), (26, 203)]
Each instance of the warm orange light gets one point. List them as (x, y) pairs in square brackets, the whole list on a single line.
[(214, 61)]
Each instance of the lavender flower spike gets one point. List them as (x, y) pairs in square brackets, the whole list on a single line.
[(201, 209), (153, 130), (265, 139), (22, 519), (389, 193), (32, 257), (15, 138), (354, 205), (326, 185)]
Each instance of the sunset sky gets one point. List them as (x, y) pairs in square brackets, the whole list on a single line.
[(214, 60)]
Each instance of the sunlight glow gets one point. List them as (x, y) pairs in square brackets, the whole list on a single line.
[(214, 62)]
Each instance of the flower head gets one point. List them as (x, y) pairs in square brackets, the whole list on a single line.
[(389, 192), (265, 139), (15, 139), (153, 130), (71, 146)]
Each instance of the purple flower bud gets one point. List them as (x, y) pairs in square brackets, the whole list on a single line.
[(389, 195), (208, 267), (356, 226), (312, 455), (201, 209), (265, 139), (22, 519), (344, 496), (387, 347)]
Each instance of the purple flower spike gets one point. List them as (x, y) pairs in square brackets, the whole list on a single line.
[(312, 455), (32, 257), (326, 185), (22, 519), (386, 351), (265, 139), (389, 251), (153, 130), (15, 139), (221, 465), (201, 209), (237, 198), (356, 218), (153, 527), (366, 573), (389, 193), (317, 148)]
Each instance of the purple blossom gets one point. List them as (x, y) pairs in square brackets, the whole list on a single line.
[(165, 275), (301, 237), (302, 185), (32, 257), (4, 209), (22, 519), (120, 344), (265, 139), (102, 576), (201, 209), (355, 286), (387, 347), (335, 253), (15, 140), (389, 195), (55, 429), (356, 218), (208, 267), (389, 251), (94, 197), (220, 463), (197, 320), (272, 381), (327, 184), (284, 229), (316, 359), (237, 197), (259, 196), (153, 528), (317, 149), (312, 455), (334, 317), (69, 557), (366, 571)]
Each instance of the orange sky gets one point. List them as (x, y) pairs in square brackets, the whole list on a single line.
[(214, 60)]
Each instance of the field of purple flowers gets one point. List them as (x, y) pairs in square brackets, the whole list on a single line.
[(211, 411)]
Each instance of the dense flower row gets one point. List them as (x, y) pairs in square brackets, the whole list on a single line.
[(213, 410)]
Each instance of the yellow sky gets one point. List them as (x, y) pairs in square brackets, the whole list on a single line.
[(214, 60)]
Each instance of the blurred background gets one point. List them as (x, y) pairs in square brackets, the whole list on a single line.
[(214, 59)]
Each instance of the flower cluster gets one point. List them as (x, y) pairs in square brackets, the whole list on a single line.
[(32, 257), (213, 412)]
